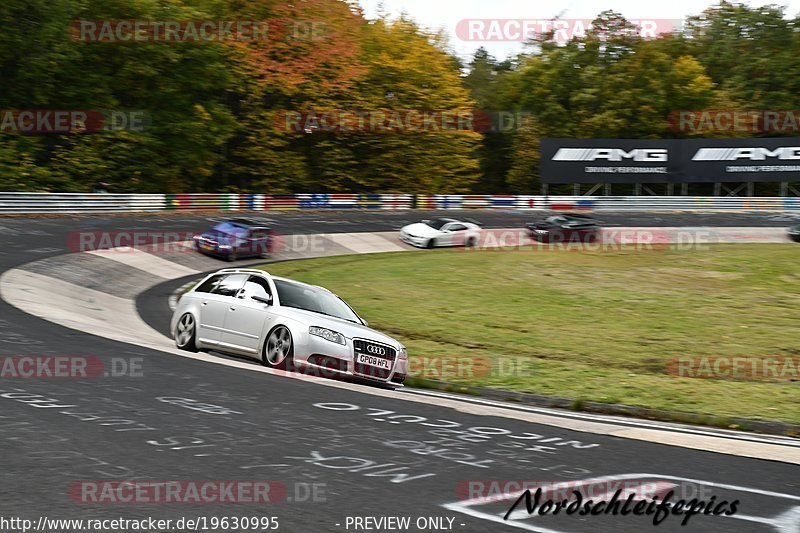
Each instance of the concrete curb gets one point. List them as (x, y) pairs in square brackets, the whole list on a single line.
[(739, 424)]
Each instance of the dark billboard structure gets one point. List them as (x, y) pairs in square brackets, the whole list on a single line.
[(670, 160), (743, 160), (610, 161)]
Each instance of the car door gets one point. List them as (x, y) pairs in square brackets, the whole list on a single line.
[(248, 246), (246, 319), (446, 236), (214, 306), (259, 242), (457, 234), (206, 332)]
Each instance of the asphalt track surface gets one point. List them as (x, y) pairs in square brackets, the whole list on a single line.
[(365, 455)]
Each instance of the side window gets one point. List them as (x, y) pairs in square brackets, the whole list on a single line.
[(458, 227), (230, 285), (256, 286), (210, 284)]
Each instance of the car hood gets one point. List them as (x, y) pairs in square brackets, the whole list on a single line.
[(421, 230), (345, 327)]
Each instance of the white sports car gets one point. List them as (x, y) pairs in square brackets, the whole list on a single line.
[(441, 232), (285, 324)]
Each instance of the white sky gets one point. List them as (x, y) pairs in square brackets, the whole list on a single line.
[(436, 14)]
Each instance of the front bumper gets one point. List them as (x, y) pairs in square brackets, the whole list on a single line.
[(212, 250), (539, 235), (327, 359), (419, 242)]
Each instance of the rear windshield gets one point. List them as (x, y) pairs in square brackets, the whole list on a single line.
[(230, 228)]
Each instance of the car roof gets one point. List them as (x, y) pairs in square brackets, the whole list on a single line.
[(571, 217), (288, 280), (264, 273), (245, 222)]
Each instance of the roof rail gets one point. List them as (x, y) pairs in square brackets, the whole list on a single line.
[(232, 270)]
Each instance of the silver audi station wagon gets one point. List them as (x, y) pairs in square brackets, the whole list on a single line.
[(285, 324)]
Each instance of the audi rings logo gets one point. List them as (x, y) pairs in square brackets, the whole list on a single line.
[(377, 350)]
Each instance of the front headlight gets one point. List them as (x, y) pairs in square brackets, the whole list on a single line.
[(327, 334), (224, 246), (403, 354)]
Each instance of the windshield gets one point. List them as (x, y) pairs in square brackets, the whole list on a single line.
[(437, 223), (230, 228), (314, 299)]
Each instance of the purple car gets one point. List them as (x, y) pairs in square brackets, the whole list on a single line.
[(235, 239)]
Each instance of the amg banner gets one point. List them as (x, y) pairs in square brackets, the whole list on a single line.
[(743, 160), (669, 161), (611, 161)]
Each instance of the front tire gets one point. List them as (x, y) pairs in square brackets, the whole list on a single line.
[(186, 333), (430, 244), (278, 350)]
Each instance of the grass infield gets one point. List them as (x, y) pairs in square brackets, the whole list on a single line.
[(627, 327)]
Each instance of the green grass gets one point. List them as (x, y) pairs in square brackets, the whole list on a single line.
[(589, 326)]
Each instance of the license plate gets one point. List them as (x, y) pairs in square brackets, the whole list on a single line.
[(206, 247), (371, 360)]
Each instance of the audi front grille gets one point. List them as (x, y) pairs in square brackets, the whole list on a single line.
[(376, 351)]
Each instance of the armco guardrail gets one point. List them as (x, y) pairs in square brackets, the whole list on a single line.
[(33, 203)]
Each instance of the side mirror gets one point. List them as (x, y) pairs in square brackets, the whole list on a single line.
[(364, 320), (262, 299)]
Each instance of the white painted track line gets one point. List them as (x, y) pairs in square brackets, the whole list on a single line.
[(365, 243)]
